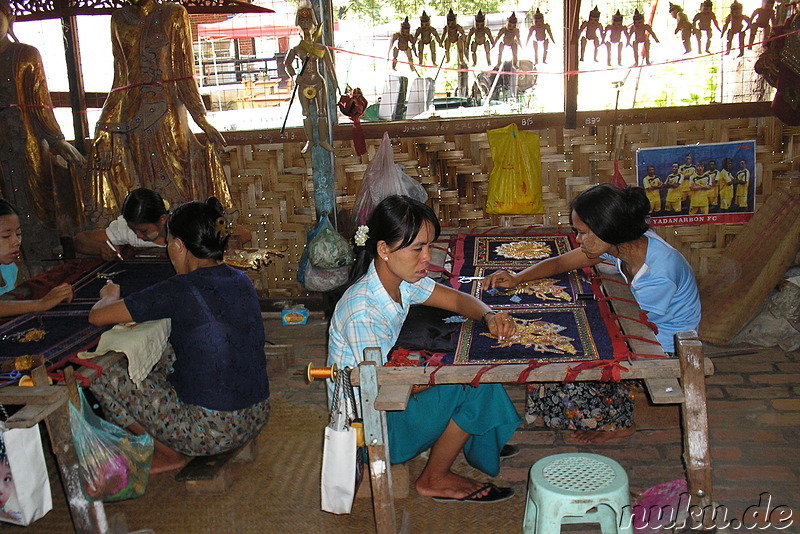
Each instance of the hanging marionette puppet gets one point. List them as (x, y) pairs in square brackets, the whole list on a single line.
[(702, 23), (763, 18), (591, 30), (426, 35), (453, 34), (508, 36), (738, 23), (403, 41), (480, 35), (640, 35), (614, 34), (310, 84), (684, 27), (542, 34)]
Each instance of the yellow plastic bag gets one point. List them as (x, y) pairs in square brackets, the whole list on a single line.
[(515, 183)]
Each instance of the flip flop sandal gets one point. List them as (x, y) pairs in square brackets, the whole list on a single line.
[(495, 495)]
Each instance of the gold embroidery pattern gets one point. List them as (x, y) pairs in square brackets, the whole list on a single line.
[(524, 250), (32, 334), (543, 288), (540, 335)]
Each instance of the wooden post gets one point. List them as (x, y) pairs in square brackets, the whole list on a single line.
[(572, 10), (696, 446), (376, 437), (77, 94)]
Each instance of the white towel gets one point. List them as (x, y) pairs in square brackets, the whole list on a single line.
[(142, 343)]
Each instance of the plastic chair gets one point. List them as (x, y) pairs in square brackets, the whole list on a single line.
[(577, 488)]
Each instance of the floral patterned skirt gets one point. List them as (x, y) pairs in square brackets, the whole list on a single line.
[(604, 406), (186, 428)]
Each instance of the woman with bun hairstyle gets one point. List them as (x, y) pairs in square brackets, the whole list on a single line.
[(611, 224), (209, 393), (391, 274), (142, 224)]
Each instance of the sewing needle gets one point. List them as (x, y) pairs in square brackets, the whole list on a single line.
[(108, 242)]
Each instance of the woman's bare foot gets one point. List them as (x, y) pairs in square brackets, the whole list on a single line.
[(164, 462), (598, 436), (450, 486)]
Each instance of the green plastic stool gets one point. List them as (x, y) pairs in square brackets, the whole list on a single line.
[(577, 488)]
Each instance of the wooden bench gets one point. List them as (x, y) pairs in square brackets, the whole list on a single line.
[(205, 475)]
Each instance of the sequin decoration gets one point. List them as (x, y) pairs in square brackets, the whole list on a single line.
[(540, 335), (524, 250), (543, 288), (32, 334)]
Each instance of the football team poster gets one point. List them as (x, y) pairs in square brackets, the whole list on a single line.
[(699, 184)]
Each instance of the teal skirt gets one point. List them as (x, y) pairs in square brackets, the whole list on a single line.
[(485, 412)]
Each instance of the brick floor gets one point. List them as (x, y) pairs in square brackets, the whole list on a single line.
[(753, 409)]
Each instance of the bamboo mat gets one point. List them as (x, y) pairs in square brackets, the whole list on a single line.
[(279, 492)]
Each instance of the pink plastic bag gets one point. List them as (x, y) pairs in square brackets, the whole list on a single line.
[(383, 178)]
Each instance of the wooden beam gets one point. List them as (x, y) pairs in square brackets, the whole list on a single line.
[(80, 123), (538, 121), (572, 10)]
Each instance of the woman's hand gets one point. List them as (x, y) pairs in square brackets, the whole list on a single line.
[(501, 325), (502, 278), (55, 296), (110, 290)]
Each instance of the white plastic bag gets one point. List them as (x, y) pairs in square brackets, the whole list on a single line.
[(342, 463), (383, 178), (26, 495)]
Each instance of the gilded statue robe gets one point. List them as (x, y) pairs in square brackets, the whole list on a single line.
[(145, 114), (46, 197)]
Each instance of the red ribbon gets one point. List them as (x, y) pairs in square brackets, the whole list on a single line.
[(353, 105), (611, 370)]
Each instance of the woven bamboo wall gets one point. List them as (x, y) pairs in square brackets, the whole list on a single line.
[(273, 189)]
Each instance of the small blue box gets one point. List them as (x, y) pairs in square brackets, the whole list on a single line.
[(294, 317)]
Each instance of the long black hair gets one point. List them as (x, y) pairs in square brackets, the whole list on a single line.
[(143, 206), (614, 215), (397, 221), (202, 228), (7, 209)]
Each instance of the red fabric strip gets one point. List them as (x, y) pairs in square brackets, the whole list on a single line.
[(477, 380), (532, 365)]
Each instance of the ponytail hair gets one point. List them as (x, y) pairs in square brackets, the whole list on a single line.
[(614, 215), (396, 220), (144, 206), (202, 227), (7, 209)]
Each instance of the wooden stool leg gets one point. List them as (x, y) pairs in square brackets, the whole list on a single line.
[(375, 435)]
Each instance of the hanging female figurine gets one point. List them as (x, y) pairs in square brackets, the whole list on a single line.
[(542, 34), (403, 41), (508, 36), (702, 22), (453, 33), (684, 27), (614, 33), (764, 18), (592, 30), (738, 23), (640, 35), (426, 35), (480, 35)]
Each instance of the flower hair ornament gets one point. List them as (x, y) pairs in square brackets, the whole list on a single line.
[(362, 234), (222, 228)]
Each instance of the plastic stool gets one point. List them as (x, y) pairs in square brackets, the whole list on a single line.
[(577, 488)]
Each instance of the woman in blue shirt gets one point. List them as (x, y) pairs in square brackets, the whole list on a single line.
[(611, 224), (391, 274), (10, 242), (211, 393)]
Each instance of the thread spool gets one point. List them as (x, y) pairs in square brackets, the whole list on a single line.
[(321, 372)]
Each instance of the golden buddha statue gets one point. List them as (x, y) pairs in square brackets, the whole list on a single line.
[(31, 143), (143, 138)]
